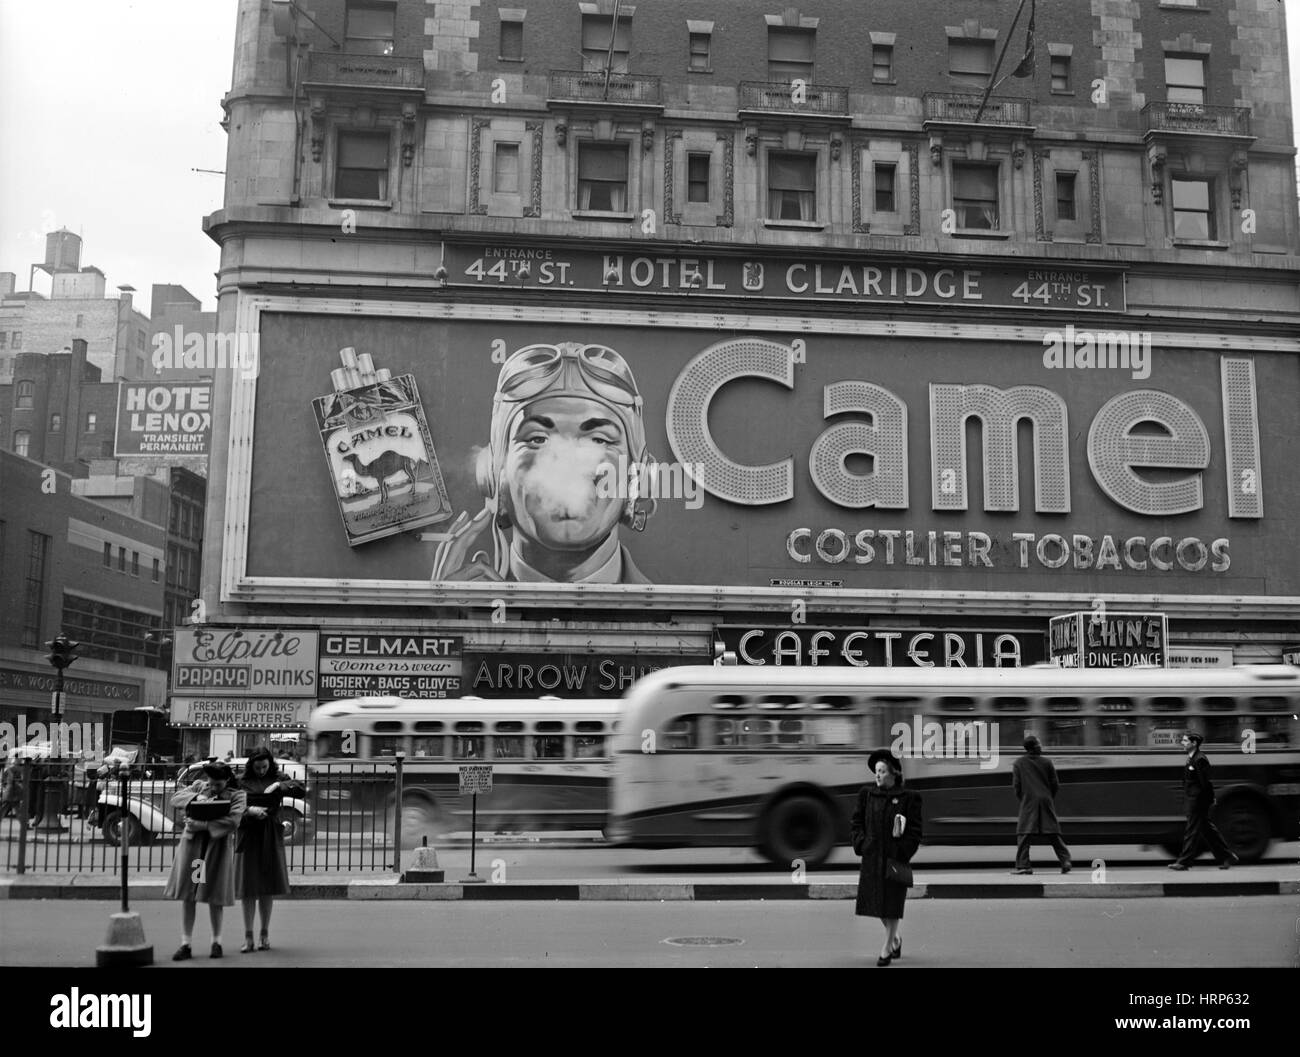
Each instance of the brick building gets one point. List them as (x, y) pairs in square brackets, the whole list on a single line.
[(817, 246)]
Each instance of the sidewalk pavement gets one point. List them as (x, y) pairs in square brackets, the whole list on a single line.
[(988, 883)]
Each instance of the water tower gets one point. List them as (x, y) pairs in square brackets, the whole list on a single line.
[(62, 251)]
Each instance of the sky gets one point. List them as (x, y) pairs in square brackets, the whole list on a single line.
[(107, 108)]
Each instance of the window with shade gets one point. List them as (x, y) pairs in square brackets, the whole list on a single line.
[(790, 54), (700, 44), (505, 168), (362, 170), (697, 178), (882, 63), (512, 41), (885, 199), (1060, 70), (22, 442), (56, 423), (791, 187), (370, 28), (1184, 79), (602, 178), (38, 550), (975, 196), (596, 52), (1065, 196), (970, 63), (25, 394), (1193, 215)]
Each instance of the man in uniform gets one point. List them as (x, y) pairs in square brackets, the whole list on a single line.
[(1198, 794)]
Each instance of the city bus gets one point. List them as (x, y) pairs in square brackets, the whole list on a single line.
[(549, 758), (773, 758)]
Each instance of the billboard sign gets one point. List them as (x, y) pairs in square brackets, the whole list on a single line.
[(1199, 657), (562, 674), (872, 647), (252, 662), (163, 419), (1106, 639), (358, 664), (629, 456), (241, 713)]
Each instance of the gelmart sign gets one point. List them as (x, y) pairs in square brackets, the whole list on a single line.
[(878, 281), (244, 662), (795, 463), (163, 419), (356, 664)]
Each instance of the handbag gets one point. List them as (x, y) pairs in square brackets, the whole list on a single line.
[(898, 872)]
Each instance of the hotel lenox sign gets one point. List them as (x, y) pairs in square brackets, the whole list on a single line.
[(862, 476)]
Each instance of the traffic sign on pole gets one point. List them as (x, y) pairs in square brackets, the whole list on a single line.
[(476, 778)]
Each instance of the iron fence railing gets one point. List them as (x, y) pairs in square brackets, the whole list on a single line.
[(961, 108), (365, 71), (589, 86), (1197, 117), (792, 98)]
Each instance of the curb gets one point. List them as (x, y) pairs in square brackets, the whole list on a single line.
[(374, 889)]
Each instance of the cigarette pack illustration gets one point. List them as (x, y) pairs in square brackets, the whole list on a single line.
[(379, 451)]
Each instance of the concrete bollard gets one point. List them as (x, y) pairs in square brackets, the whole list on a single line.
[(423, 867), (125, 944)]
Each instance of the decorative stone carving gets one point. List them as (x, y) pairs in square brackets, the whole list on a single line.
[(1237, 165), (647, 140), (859, 225), (914, 178), (534, 208), (728, 179), (1094, 194), (318, 124), (1156, 156), (836, 143), (1040, 230), (408, 134), (672, 139), (561, 134), (1018, 155), (751, 141), (475, 151), (936, 150)]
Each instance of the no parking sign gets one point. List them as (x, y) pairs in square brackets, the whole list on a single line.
[(476, 779)]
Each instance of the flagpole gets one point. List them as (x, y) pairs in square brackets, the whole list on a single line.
[(998, 65)]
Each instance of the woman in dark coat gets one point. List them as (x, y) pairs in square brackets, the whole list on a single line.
[(886, 825), (204, 868), (261, 873)]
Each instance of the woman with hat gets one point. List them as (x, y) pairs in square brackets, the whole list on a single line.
[(885, 829), (204, 868), (260, 870)]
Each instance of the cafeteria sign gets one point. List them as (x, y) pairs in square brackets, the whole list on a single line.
[(163, 420), (1102, 639)]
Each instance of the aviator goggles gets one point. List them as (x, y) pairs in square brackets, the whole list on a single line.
[(536, 369)]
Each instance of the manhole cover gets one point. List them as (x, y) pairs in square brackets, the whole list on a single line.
[(703, 941)]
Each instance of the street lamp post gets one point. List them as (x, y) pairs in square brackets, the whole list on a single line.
[(62, 653), (125, 943)]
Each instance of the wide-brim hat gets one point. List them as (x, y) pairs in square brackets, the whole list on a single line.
[(893, 762), (216, 769)]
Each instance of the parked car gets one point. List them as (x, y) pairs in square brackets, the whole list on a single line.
[(148, 811)]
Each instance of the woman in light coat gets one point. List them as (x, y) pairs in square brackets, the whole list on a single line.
[(204, 868)]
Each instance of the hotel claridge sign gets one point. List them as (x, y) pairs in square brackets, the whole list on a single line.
[(594, 335)]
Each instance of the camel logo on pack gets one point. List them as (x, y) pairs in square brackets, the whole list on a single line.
[(380, 453)]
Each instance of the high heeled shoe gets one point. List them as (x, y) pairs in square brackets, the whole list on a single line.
[(882, 962), (265, 943), (898, 950), (248, 944)]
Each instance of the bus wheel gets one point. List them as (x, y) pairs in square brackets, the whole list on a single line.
[(799, 827), (1245, 826), (113, 828)]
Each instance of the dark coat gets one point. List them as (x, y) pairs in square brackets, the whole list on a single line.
[(260, 868), (871, 830), (1034, 779), (1198, 790)]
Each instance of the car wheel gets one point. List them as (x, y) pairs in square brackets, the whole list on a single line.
[(113, 823), (1245, 826), (799, 827), (293, 826)]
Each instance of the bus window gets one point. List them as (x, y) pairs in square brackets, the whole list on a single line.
[(1011, 732), (791, 734), (681, 733), (724, 734), (777, 701), (589, 726), (428, 746), (956, 704), (384, 744), (1117, 732), (728, 701), (548, 746), (1116, 704), (1219, 704), (832, 701), (1272, 732), (336, 745), (469, 748), (830, 731), (1064, 704), (587, 747), (1168, 704), (508, 746), (1011, 704), (1225, 729), (1064, 733), (757, 733)]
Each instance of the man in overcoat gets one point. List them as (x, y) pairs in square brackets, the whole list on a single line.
[(1033, 777), (1198, 792)]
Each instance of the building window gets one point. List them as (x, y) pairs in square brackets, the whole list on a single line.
[(975, 196), (970, 62), (81, 320), (700, 44), (18, 339), (362, 170), (790, 54), (38, 550), (1065, 207), (25, 394), (4, 339), (157, 570), (885, 200), (92, 420), (697, 178), (512, 41), (370, 28), (596, 31), (882, 63), (1060, 73), (602, 178), (505, 168), (135, 563), (109, 632), (22, 442), (1193, 215), (140, 340), (1184, 79), (121, 559), (791, 187), (56, 423)]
